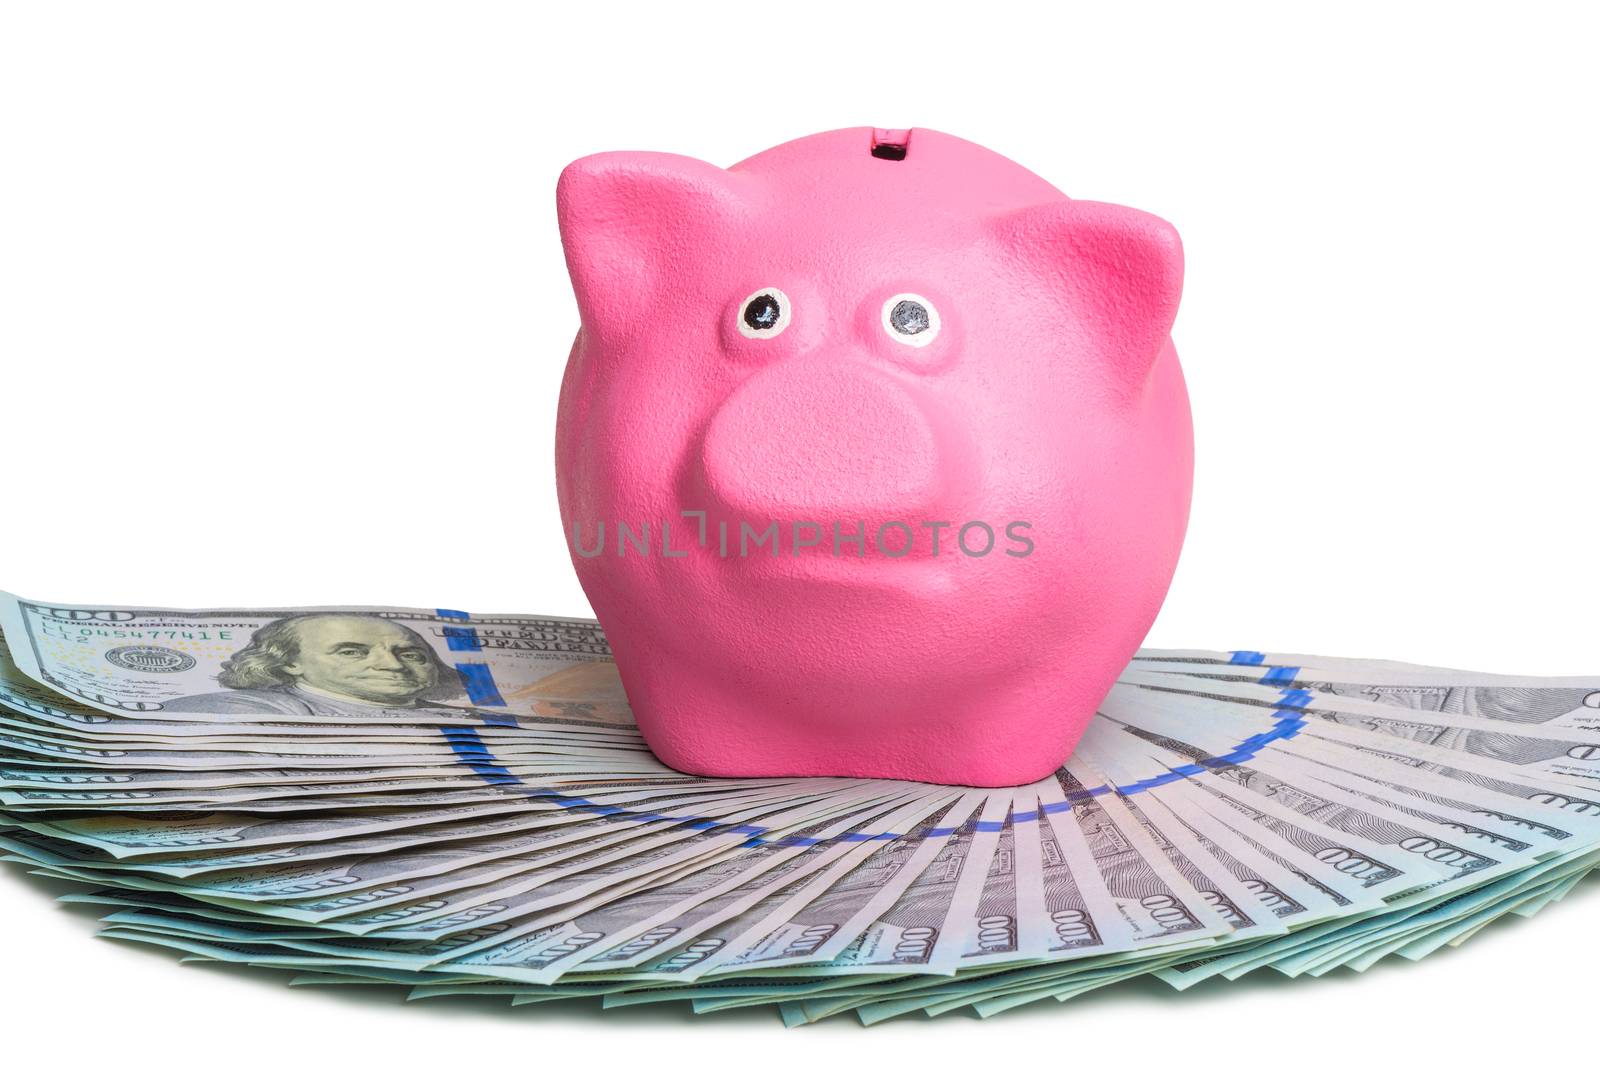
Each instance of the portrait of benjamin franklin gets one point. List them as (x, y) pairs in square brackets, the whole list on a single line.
[(329, 664)]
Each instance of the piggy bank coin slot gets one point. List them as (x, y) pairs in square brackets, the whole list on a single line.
[(890, 144)]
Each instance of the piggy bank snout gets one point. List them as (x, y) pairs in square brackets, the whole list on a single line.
[(824, 442)]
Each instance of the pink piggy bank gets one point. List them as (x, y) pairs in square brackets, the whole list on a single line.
[(873, 452)]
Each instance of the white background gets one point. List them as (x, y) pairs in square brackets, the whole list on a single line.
[(283, 315)]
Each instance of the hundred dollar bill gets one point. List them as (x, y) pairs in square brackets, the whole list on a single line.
[(21, 791), (1557, 713), (824, 926), (991, 831), (1465, 808), (387, 886), (493, 946), (922, 917), (67, 853), (799, 927), (368, 792), (1501, 820), (1460, 870), (745, 930), (1210, 660), (613, 934), (480, 947), (1363, 944), (28, 704), (533, 907), (1344, 831), (668, 918), (1299, 900), (332, 665), (993, 928), (125, 836), (1233, 900), (1152, 897), (1558, 770)]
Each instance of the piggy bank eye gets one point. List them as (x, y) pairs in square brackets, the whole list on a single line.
[(764, 313), (910, 319)]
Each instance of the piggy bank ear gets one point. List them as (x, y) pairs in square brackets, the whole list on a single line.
[(632, 220), (1118, 270)]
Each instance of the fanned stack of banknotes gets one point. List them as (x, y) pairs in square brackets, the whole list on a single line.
[(462, 806)]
